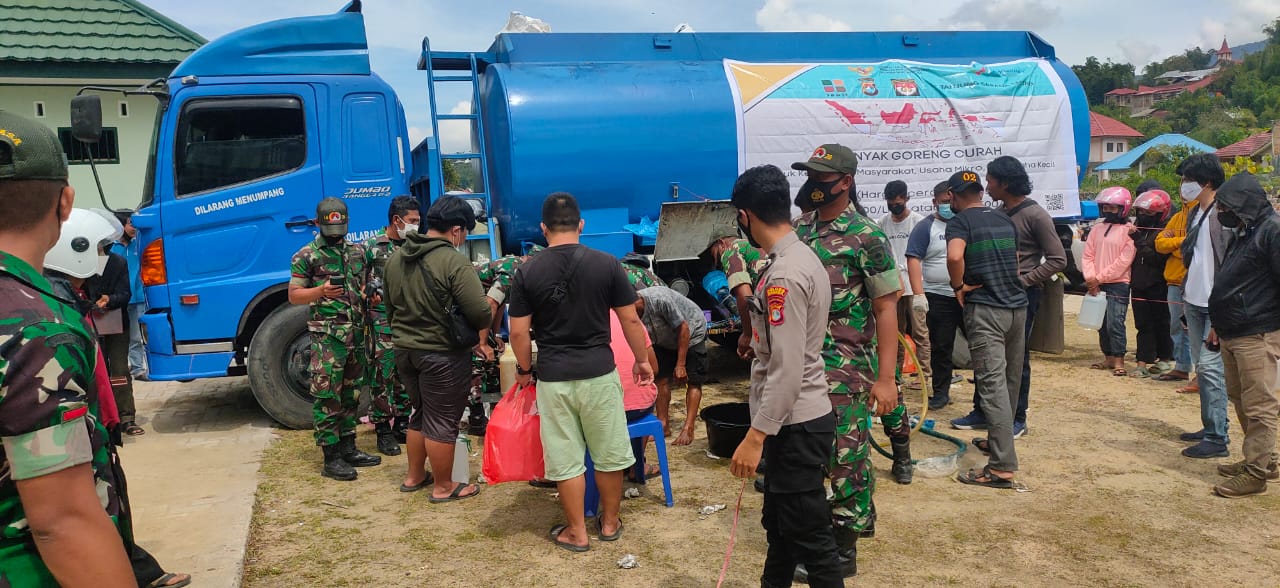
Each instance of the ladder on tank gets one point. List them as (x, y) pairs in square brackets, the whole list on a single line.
[(469, 66)]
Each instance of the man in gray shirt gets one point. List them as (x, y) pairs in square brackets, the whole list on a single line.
[(792, 424), (679, 333), (1040, 257)]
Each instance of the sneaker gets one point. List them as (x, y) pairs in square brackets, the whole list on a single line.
[(1192, 437), (1241, 486), (969, 422), (1205, 450), (1231, 470), (939, 403), (1019, 429)]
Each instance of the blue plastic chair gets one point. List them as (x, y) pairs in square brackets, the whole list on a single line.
[(645, 427)]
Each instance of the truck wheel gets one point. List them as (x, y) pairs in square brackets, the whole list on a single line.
[(278, 361)]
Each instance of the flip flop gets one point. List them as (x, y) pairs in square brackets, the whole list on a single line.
[(554, 535), (982, 445), (1120, 372), (973, 478), (1099, 366), (132, 429), (457, 494), (616, 534), (1168, 377), (163, 581), (542, 483), (427, 481)]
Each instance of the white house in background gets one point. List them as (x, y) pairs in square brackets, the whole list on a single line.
[(52, 48), (1109, 138)]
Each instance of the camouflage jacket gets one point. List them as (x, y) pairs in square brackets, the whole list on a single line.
[(742, 264), (315, 264), (641, 278), (496, 276), (49, 419), (377, 249), (859, 262)]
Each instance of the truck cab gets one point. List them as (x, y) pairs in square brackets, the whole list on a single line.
[(257, 127)]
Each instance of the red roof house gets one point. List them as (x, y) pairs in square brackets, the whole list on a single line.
[(1109, 138)]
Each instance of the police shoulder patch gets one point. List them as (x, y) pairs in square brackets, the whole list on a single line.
[(776, 297)]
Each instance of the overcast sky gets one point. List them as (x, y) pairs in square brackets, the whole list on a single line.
[(1136, 31)]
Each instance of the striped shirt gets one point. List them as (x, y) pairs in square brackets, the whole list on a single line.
[(990, 256)]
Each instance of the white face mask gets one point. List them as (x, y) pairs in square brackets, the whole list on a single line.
[(102, 265), (1190, 190), (408, 228)]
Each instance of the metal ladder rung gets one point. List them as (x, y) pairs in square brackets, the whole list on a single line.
[(452, 78), (456, 117)]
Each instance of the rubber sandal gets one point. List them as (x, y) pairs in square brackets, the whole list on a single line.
[(973, 478), (1168, 377), (614, 537), (982, 445), (163, 581), (1119, 372), (542, 483), (132, 429), (457, 494), (1099, 366), (1143, 372), (554, 535), (427, 481)]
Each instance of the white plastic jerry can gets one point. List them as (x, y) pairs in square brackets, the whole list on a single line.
[(461, 460), (1092, 311)]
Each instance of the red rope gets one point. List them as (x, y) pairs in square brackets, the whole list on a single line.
[(733, 534)]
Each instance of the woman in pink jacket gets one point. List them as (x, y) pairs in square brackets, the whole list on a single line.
[(1108, 256)]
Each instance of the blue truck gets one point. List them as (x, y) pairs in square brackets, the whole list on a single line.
[(260, 124)]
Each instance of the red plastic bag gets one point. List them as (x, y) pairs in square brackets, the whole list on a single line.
[(512, 445)]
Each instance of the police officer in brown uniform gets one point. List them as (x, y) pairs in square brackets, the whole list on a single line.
[(792, 424)]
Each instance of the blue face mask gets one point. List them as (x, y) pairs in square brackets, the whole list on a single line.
[(944, 211)]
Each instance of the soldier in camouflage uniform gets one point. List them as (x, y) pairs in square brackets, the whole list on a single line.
[(329, 275), (638, 272), (860, 350), (741, 264), (54, 454), (495, 277), (390, 401)]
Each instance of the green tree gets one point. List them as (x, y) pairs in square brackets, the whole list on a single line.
[(1098, 78), (1158, 164), (1273, 32), (1189, 60)]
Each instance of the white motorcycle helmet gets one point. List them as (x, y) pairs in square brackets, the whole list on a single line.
[(76, 253)]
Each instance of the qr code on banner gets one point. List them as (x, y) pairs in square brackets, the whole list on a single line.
[(1054, 202)]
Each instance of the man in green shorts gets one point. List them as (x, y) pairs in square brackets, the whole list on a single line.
[(565, 293)]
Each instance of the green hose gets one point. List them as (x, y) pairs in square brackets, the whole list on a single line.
[(961, 446)]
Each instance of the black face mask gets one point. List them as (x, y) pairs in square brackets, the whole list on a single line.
[(333, 241), (818, 193), (1229, 219), (1115, 218), (746, 231), (1149, 220), (897, 209)]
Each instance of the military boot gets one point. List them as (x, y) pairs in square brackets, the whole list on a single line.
[(334, 466), (846, 552), (1231, 470), (386, 440), (902, 468), (355, 457), (401, 429)]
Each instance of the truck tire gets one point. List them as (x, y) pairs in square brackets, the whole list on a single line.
[(278, 367)]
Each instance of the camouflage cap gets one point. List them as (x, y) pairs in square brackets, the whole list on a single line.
[(331, 217), (829, 158), (29, 150)]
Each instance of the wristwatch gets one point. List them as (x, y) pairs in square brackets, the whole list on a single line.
[(523, 372)]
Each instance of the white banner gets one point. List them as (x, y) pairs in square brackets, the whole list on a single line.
[(910, 121)]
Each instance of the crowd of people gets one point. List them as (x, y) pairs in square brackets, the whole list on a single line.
[(822, 297)]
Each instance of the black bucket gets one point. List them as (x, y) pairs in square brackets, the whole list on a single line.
[(727, 426)]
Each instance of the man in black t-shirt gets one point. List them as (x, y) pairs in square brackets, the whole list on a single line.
[(982, 261), (565, 294)]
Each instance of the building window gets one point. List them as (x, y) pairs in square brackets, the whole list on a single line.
[(39, 109), (222, 142), (124, 109), (106, 150), (1111, 147)]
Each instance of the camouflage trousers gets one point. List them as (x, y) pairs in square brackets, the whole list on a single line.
[(852, 478), (337, 371), (388, 396)]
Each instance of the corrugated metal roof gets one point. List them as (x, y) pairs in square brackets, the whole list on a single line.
[(1127, 160), (93, 31)]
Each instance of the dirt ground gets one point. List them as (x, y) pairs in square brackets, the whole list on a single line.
[(1110, 503)]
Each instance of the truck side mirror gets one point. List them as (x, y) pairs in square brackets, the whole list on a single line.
[(86, 118)]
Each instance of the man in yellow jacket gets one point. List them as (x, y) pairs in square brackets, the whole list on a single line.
[(1169, 241)]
